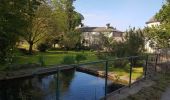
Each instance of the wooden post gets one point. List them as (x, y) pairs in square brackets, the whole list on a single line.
[(130, 76), (146, 65), (156, 61)]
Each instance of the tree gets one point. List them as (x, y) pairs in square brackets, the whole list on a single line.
[(132, 44), (66, 19), (160, 35), (39, 26), (135, 42), (13, 22)]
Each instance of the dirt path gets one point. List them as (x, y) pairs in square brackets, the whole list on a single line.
[(166, 94)]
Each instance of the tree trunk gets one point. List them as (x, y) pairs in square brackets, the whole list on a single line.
[(30, 47)]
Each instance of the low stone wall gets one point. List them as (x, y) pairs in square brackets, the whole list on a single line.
[(9, 75), (111, 75)]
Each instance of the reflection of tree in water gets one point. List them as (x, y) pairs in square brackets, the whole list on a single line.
[(36, 88), (66, 79), (20, 90)]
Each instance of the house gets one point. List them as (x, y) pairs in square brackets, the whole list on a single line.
[(92, 34), (152, 22)]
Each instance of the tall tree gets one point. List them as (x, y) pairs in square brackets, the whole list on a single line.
[(135, 42), (39, 26), (66, 20), (13, 22)]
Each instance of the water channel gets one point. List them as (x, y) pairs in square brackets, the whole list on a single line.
[(73, 85)]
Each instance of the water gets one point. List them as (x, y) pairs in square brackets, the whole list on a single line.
[(73, 86)]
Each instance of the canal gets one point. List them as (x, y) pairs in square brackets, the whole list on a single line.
[(73, 85)]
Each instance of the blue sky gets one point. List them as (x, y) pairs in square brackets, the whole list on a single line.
[(119, 13)]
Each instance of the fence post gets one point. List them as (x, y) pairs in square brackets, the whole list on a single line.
[(106, 77), (130, 77), (146, 66), (58, 87), (156, 61)]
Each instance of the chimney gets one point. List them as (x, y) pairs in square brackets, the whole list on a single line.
[(108, 26)]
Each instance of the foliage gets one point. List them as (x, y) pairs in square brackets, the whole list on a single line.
[(160, 35), (135, 41), (119, 49), (41, 60), (80, 57), (157, 37), (65, 20), (70, 40), (38, 26), (13, 22), (68, 60), (120, 63), (133, 44), (42, 47)]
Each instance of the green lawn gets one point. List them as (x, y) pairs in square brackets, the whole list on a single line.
[(56, 57), (52, 57)]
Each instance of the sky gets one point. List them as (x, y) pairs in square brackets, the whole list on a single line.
[(121, 14)]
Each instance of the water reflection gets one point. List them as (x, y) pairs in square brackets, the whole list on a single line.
[(72, 86)]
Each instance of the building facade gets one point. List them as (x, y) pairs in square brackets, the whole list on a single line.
[(92, 34)]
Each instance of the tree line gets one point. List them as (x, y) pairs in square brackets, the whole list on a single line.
[(36, 22)]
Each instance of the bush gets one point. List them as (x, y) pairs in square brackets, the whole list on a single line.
[(43, 47), (80, 57), (68, 60), (120, 63), (102, 56), (23, 50), (41, 60)]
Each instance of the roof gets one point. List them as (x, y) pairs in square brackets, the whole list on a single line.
[(152, 20), (98, 29)]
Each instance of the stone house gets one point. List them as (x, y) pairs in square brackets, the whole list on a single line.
[(92, 34)]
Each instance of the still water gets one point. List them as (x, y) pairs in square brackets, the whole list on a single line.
[(73, 85)]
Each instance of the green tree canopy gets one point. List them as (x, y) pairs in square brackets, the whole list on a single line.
[(13, 22), (160, 35)]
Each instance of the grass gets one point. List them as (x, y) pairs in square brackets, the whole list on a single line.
[(56, 58), (137, 72), (154, 92), (52, 57)]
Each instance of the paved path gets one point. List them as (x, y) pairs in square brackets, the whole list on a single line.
[(130, 91), (166, 94)]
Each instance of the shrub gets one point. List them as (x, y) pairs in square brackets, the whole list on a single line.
[(43, 47), (23, 50), (68, 60), (80, 57), (120, 63), (41, 60)]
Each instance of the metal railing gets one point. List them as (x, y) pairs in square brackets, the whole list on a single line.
[(131, 60), (135, 68)]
